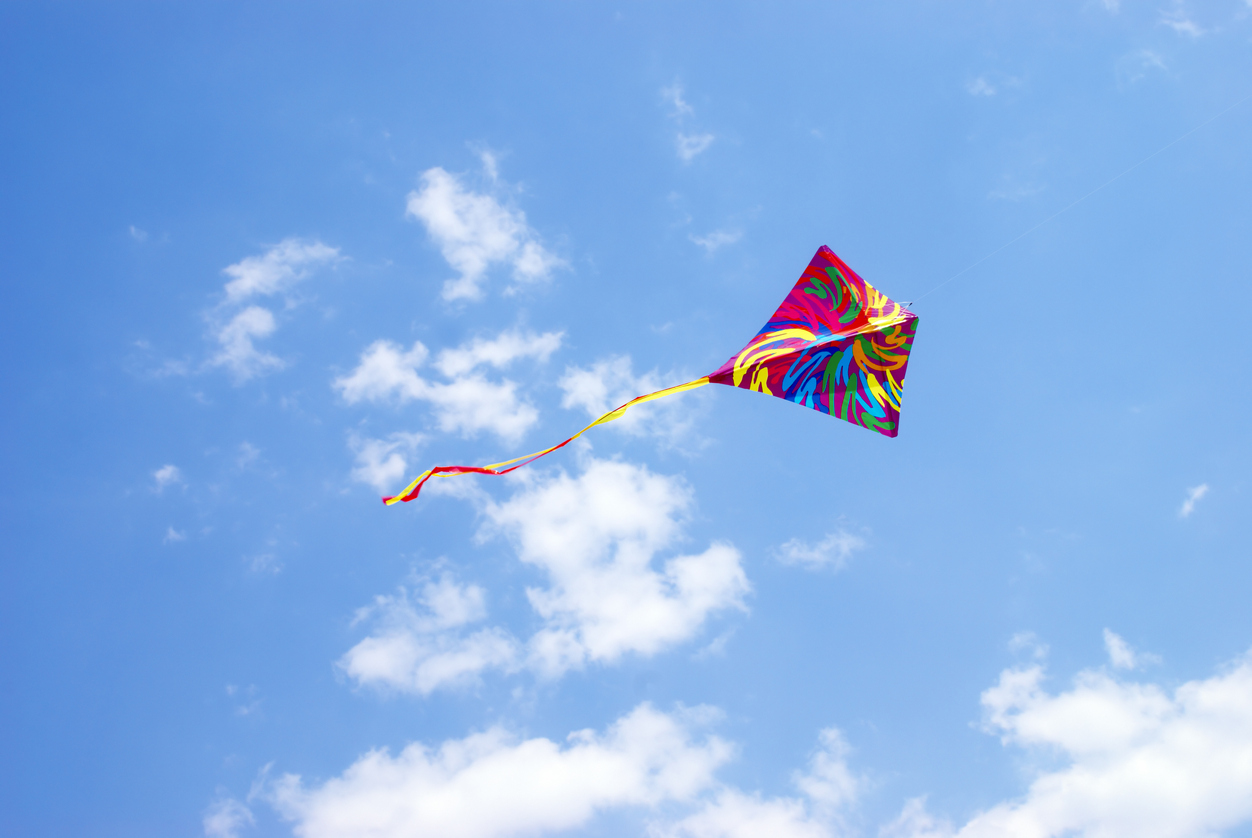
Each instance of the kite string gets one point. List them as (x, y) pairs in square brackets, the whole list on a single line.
[(1070, 206), (412, 490)]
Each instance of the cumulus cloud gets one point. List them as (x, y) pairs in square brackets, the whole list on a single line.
[(1194, 495), (611, 382), (475, 231), (597, 537), (276, 270), (494, 784), (468, 402), (382, 463), (166, 476), (238, 353), (420, 643), (829, 789), (716, 240), (831, 552), (173, 536), (1137, 759), (226, 818)]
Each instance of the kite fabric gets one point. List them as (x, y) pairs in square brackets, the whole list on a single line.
[(836, 344)]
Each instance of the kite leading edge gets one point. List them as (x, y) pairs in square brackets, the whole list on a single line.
[(836, 344)]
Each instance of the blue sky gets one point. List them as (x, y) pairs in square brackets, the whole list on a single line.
[(265, 262)]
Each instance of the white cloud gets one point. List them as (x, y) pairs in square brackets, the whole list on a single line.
[(386, 373), (1122, 656), (611, 382), (674, 96), (832, 552), (1179, 21), (1111, 5), (245, 699), (499, 353), (469, 402), (475, 231), (419, 647), (238, 353), (1194, 495), (915, 822), (276, 270), (166, 476), (226, 817), (688, 145), (691, 145), (1135, 66), (1136, 759), (829, 787), (596, 537), (716, 240), (1028, 641), (494, 784), (265, 563), (137, 234), (382, 463), (980, 87), (173, 536)]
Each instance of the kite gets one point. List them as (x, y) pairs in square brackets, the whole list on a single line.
[(836, 344)]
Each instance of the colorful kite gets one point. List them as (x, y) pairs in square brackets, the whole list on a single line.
[(836, 344)]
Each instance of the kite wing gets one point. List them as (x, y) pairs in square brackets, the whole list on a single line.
[(836, 344)]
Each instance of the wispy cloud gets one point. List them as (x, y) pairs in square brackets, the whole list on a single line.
[(611, 382), (226, 818), (1194, 495), (688, 143), (674, 96), (1136, 66), (980, 87), (166, 476), (692, 145), (833, 552), (1122, 655), (276, 271), (173, 536), (716, 240), (137, 234), (475, 230), (1181, 22)]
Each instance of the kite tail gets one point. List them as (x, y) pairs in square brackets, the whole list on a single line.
[(411, 491)]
